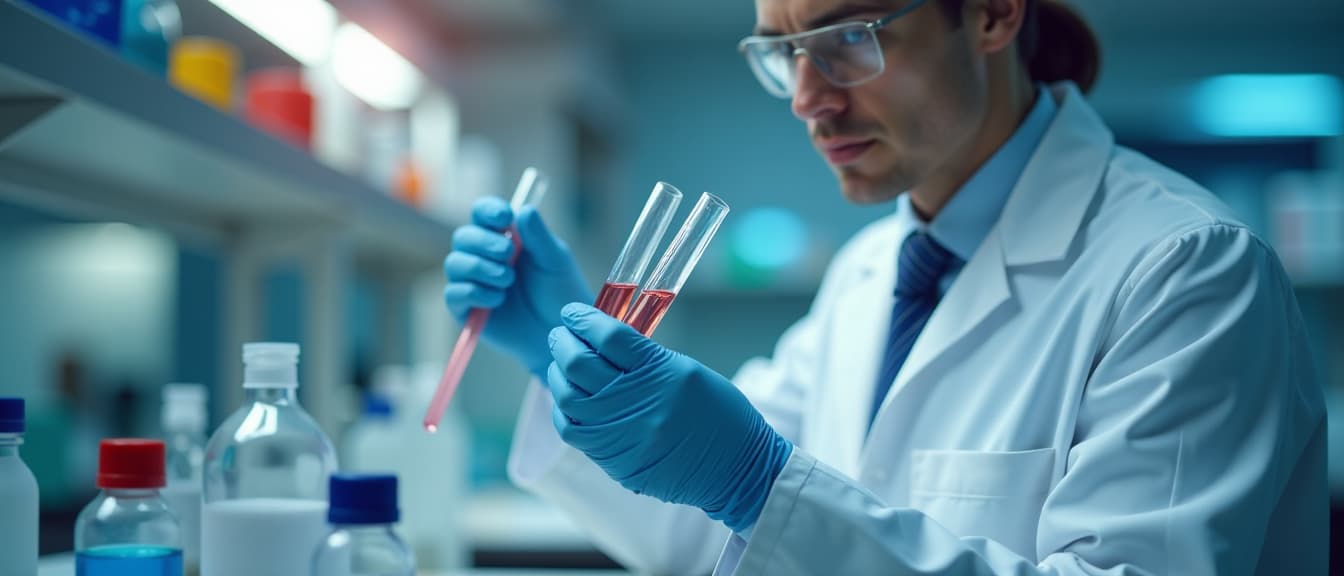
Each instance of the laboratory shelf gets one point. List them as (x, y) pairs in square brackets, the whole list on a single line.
[(86, 134)]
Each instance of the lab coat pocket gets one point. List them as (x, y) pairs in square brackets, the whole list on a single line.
[(996, 495)]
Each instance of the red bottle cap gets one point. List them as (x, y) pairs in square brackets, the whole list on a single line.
[(279, 102), (131, 463)]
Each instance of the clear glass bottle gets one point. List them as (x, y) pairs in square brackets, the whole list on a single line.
[(128, 529), (18, 496), (184, 421), (362, 542), (266, 470)]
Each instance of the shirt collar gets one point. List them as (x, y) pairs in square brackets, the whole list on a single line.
[(968, 217)]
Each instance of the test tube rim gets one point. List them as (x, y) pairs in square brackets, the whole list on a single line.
[(532, 187), (617, 267), (720, 209)]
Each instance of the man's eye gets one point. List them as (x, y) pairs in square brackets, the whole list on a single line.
[(853, 36), (782, 49)]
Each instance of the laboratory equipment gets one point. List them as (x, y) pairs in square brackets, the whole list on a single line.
[(148, 28), (531, 188), (278, 101), (628, 271), (677, 263), (390, 438), (362, 543), (265, 493), (128, 529), (184, 421), (18, 496), (204, 68), (100, 19)]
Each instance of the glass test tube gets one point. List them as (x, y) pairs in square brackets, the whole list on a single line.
[(677, 262), (626, 273), (531, 189)]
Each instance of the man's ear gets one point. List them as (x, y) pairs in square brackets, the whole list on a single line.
[(996, 23)]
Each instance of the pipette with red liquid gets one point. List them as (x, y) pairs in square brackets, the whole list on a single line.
[(531, 188), (676, 264), (628, 271)]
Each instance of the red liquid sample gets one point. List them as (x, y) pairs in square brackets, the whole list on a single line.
[(649, 309), (614, 298)]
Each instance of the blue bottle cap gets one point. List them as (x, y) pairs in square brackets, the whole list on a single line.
[(11, 415), (363, 499), (376, 407)]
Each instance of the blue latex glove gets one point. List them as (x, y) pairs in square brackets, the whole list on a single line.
[(659, 422), (525, 300)]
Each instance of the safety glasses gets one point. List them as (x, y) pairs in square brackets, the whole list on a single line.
[(846, 54)]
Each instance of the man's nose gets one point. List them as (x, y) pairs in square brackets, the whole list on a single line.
[(814, 97)]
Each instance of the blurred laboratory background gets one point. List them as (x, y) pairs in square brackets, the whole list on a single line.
[(178, 177)]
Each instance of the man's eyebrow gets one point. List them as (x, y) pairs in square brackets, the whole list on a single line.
[(834, 15)]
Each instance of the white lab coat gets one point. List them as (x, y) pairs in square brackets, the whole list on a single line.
[(1117, 382)]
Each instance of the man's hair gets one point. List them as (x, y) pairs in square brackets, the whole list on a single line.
[(1054, 44)]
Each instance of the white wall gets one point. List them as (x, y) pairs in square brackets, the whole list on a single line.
[(103, 290)]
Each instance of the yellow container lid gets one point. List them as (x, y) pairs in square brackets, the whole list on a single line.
[(206, 68)]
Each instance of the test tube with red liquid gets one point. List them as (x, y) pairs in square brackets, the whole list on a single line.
[(676, 264), (626, 273), (531, 188)]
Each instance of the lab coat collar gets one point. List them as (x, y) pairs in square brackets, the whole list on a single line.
[(1060, 181), (1043, 215)]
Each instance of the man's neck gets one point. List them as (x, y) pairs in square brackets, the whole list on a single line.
[(1010, 99)]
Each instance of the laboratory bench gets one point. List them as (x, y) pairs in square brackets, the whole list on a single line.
[(64, 565)]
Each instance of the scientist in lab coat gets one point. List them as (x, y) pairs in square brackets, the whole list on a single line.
[(1056, 357)]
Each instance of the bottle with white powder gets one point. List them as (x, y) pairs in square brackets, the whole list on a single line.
[(266, 471)]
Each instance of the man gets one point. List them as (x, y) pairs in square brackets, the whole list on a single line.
[(1057, 357)]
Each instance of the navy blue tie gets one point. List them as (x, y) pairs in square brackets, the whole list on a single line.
[(919, 269)]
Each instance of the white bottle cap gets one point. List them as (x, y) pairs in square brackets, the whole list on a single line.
[(270, 365), (184, 407)]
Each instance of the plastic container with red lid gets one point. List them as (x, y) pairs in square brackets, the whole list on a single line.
[(279, 102), (128, 529)]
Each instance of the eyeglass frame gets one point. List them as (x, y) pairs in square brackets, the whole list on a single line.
[(871, 27)]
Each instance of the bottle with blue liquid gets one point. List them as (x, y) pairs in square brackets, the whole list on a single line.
[(362, 542), (128, 530)]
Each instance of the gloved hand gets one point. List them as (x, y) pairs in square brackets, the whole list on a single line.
[(659, 422), (526, 299)]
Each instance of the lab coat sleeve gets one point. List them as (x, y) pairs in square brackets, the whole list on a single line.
[(1199, 420)]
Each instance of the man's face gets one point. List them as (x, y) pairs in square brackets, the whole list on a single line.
[(889, 134)]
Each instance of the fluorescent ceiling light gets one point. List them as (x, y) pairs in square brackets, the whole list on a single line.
[(1269, 105), (372, 71), (301, 28)]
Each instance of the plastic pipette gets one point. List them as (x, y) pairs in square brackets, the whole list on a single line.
[(531, 187)]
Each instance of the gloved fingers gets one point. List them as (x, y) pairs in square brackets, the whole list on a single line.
[(614, 340), (572, 400), (578, 363), (482, 242), (491, 213), (542, 248), (563, 425), (470, 268), (596, 441), (461, 297)]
